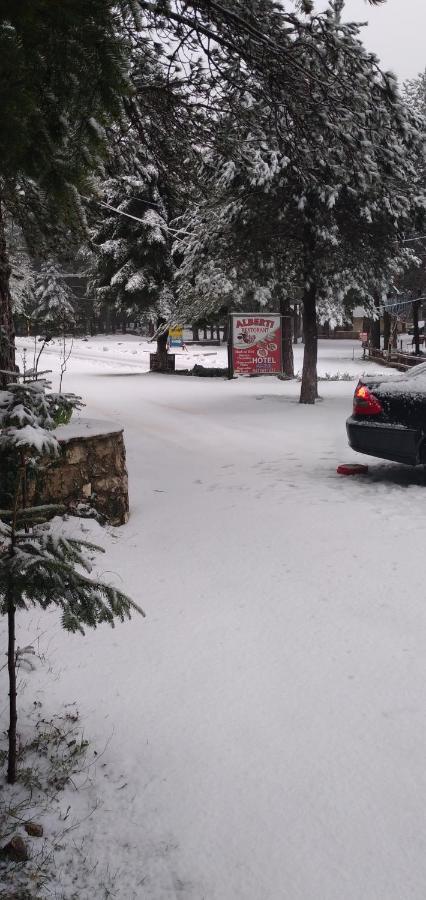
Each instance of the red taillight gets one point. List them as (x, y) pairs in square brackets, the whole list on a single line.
[(365, 403)]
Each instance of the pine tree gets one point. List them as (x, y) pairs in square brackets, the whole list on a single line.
[(22, 275), (53, 307), (71, 63), (39, 563), (131, 269), (147, 181), (324, 200), (63, 76), (412, 283)]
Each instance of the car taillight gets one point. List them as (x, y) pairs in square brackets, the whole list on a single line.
[(365, 403)]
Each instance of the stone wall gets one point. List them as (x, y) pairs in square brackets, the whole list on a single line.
[(91, 469)]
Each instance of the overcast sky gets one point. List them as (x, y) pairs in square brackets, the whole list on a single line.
[(396, 32)]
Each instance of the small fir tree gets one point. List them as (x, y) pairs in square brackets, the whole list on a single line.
[(53, 301), (39, 564)]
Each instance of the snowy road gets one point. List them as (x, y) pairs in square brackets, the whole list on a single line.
[(268, 718)]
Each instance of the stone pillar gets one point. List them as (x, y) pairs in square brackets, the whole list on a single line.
[(91, 469)]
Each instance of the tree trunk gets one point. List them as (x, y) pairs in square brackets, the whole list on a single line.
[(375, 327), (11, 665), (394, 332), (296, 327), (7, 333), (195, 333), (416, 336), (218, 333), (162, 347), (205, 332), (309, 389), (287, 339), (386, 330)]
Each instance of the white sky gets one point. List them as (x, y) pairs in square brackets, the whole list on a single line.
[(396, 32)]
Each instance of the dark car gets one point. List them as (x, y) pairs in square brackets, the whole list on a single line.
[(389, 417)]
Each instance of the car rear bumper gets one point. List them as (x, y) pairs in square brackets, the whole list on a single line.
[(394, 442)]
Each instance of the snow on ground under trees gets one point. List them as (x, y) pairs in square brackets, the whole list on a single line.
[(264, 728)]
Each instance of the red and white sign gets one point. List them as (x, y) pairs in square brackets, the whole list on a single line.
[(256, 344)]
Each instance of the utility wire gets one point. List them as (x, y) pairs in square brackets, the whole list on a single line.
[(387, 307), (120, 212), (422, 237)]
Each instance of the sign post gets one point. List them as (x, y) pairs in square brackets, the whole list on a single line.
[(363, 336), (255, 344)]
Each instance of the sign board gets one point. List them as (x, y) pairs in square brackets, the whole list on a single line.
[(256, 344), (363, 336), (176, 336), (161, 363)]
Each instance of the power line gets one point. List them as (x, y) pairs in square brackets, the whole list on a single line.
[(387, 306), (121, 212), (422, 237)]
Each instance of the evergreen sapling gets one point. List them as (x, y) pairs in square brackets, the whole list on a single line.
[(39, 563)]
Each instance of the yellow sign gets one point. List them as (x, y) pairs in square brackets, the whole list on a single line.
[(176, 333), (176, 336)]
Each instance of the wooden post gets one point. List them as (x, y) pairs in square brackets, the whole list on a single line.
[(375, 326), (230, 353), (386, 331), (7, 333), (416, 338)]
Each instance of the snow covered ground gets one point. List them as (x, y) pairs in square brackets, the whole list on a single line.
[(131, 353), (264, 728)]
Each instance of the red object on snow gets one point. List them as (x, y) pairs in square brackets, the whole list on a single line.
[(352, 469)]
